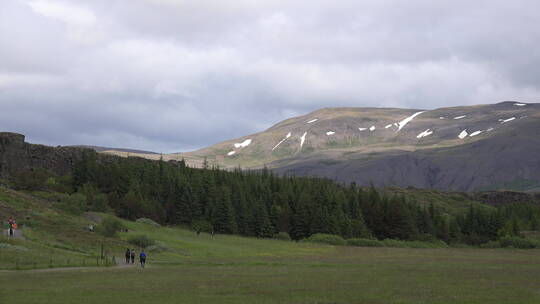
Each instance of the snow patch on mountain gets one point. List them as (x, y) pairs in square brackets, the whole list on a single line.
[(243, 144), (231, 153), (362, 129), (330, 133), (463, 134), (404, 122), (475, 133), (313, 120), (372, 128), (425, 133), (506, 120), (460, 117), (520, 104), (279, 143), (302, 139), (388, 126)]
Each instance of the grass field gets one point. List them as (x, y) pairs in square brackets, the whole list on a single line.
[(338, 275), (230, 269)]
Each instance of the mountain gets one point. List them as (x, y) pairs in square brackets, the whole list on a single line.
[(467, 148)]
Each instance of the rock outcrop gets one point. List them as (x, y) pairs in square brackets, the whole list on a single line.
[(16, 155)]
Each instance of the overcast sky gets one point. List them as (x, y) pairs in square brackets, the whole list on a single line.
[(174, 75)]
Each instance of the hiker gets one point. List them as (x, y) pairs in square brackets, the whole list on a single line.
[(12, 226), (142, 258), (128, 255), (132, 255)]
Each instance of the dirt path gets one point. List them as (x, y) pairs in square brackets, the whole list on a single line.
[(17, 233), (117, 267)]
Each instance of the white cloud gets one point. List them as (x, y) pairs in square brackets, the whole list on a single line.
[(66, 12), (183, 74)]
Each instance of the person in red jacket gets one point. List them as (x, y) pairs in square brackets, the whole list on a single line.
[(12, 225)]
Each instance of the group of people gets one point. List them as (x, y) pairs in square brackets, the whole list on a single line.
[(12, 225), (130, 257)]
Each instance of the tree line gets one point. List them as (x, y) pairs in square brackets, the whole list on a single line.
[(262, 204)]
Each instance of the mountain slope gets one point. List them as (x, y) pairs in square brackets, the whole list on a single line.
[(459, 148)]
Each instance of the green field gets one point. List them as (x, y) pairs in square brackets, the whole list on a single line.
[(231, 269)]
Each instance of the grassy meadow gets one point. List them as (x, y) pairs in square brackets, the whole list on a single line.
[(186, 268)]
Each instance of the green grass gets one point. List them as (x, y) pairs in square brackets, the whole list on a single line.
[(344, 275), (231, 269)]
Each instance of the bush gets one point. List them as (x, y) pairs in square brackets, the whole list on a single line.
[(100, 203), (141, 240), (284, 236), (148, 222), (517, 242), (202, 226), (330, 239), (364, 243), (110, 226), (74, 204)]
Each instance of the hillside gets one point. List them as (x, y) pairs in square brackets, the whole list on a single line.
[(472, 148)]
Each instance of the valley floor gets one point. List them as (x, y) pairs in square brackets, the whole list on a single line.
[(186, 268), (333, 275)]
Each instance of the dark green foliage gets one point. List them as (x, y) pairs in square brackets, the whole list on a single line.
[(284, 236), (110, 226), (141, 240), (202, 226), (327, 239), (74, 203), (261, 204), (517, 242)]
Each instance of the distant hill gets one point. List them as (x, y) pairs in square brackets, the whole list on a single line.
[(112, 150), (470, 148)]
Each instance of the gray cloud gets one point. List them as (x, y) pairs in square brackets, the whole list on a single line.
[(172, 76)]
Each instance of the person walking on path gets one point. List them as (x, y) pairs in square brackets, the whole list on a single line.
[(12, 226), (132, 256), (128, 255), (142, 258)]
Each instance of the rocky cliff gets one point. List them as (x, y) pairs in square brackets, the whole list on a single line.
[(16, 154)]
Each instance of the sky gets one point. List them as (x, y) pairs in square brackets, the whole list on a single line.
[(174, 75)]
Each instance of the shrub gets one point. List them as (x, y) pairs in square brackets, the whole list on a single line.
[(148, 222), (141, 240), (74, 204), (517, 242), (202, 226), (330, 239), (110, 226), (100, 203), (364, 243), (284, 236)]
